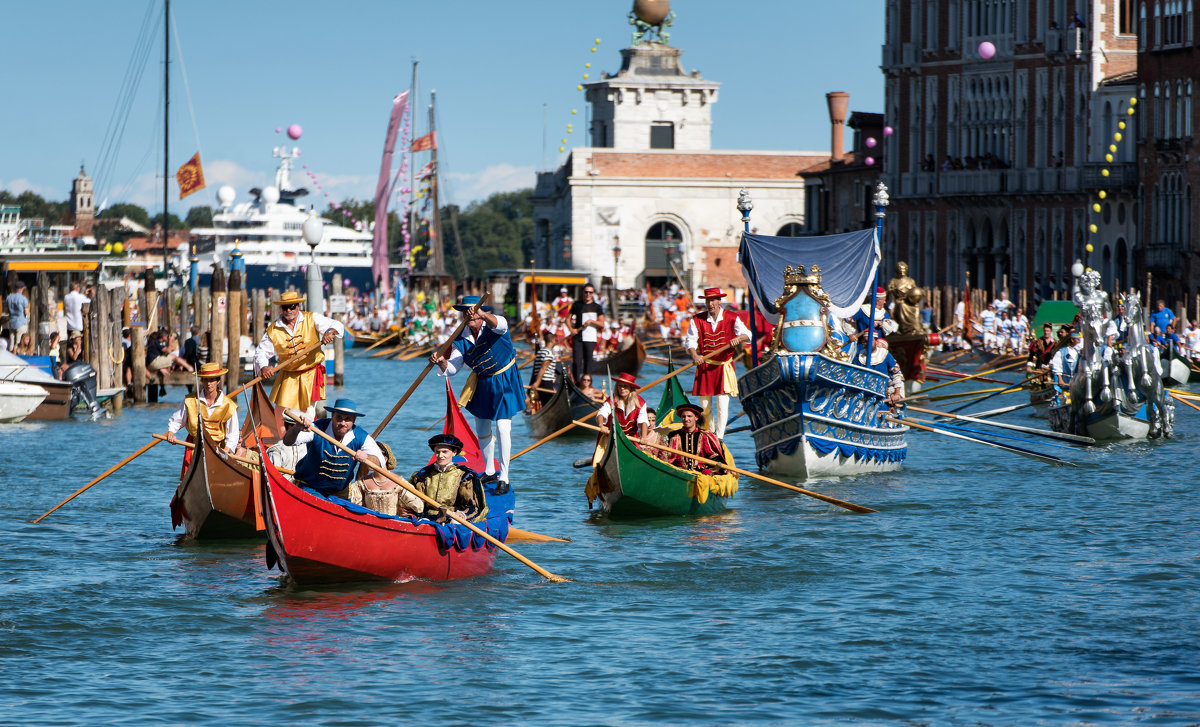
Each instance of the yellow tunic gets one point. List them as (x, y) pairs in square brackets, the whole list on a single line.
[(293, 387), (214, 421)]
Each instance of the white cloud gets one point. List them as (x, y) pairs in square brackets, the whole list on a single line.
[(17, 186), (473, 186)]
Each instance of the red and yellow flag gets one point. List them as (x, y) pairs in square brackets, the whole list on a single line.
[(190, 176), (425, 143)]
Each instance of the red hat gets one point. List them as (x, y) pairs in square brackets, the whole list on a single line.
[(625, 378), (880, 291), (713, 293)]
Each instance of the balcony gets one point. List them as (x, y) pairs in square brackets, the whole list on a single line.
[(1163, 257), (1121, 175), (1174, 144)]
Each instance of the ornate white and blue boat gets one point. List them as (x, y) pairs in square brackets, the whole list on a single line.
[(813, 412)]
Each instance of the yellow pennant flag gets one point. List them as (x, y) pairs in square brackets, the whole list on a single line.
[(190, 176)]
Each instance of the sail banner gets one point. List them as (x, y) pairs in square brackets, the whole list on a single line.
[(379, 247), (847, 263), (425, 143), (190, 176)]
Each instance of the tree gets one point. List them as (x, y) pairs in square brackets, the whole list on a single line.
[(33, 206), (200, 216), (495, 233), (124, 209), (173, 220)]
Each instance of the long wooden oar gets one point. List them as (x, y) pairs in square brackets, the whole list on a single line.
[(430, 501), (951, 373), (1006, 447), (748, 473), (377, 343), (1049, 434), (1177, 397), (429, 366), (1022, 384), (144, 449), (654, 383), (234, 457), (920, 395), (1001, 410), (975, 376)]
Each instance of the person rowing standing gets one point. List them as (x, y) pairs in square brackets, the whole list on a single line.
[(709, 332), (303, 385)]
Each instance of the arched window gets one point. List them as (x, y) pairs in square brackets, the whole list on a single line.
[(1166, 112), (791, 229), (663, 244), (1142, 27)]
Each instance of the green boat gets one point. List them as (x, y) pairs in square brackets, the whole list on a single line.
[(629, 482)]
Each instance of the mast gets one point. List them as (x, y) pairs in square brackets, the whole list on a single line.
[(435, 221), (412, 168), (166, 124)]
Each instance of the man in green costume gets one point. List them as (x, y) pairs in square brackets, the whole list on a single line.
[(453, 487)]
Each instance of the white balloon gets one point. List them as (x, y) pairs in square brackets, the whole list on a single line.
[(270, 195), (226, 195), (1077, 269)]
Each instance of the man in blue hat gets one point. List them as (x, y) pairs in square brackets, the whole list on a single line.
[(324, 467), (493, 393)]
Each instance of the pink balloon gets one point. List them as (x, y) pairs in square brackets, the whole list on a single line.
[(278, 129), (306, 167), (887, 131), (987, 49), (294, 131), (871, 142), (869, 161)]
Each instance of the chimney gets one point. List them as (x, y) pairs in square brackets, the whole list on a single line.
[(838, 102)]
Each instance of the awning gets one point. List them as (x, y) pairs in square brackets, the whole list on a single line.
[(847, 263)]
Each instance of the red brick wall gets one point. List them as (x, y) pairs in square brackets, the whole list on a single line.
[(702, 165)]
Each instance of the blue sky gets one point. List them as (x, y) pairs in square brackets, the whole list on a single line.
[(333, 68)]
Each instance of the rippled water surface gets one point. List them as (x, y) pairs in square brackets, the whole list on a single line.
[(990, 589)]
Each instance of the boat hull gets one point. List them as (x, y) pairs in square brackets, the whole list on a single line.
[(318, 541), (18, 400), (812, 416), (568, 403), (627, 361), (634, 484), (1106, 426), (218, 498)]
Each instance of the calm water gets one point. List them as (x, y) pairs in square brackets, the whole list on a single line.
[(990, 589)]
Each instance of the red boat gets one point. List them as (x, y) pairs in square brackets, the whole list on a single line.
[(320, 541)]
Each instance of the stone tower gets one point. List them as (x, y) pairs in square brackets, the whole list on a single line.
[(83, 202), (652, 103)]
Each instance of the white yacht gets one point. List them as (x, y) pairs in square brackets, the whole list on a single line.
[(267, 231)]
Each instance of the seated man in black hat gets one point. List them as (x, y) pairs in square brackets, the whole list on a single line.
[(694, 440), (324, 467), (453, 487)]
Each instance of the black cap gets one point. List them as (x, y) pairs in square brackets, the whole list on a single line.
[(446, 440)]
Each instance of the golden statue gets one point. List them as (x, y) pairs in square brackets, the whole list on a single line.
[(905, 296)]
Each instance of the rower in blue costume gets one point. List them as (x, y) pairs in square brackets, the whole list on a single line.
[(882, 361), (493, 392), (324, 467)]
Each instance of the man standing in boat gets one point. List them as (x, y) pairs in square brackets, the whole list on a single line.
[(493, 393), (630, 408), (324, 467), (694, 440), (303, 384), (215, 411), (710, 331)]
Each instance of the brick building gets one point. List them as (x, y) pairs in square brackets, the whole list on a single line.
[(838, 190), (996, 161), (651, 184), (1167, 74)]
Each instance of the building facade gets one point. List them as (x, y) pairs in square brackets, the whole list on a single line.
[(1004, 112), (650, 201)]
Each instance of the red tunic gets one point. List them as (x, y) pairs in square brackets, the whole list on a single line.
[(700, 442), (628, 422), (709, 377)]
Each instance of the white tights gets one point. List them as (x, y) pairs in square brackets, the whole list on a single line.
[(487, 442), (720, 417)]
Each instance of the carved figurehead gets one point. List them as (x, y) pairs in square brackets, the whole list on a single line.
[(905, 296), (804, 313)]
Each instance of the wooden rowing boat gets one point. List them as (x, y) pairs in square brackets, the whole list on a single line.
[(629, 482), (567, 404), (625, 361), (316, 540)]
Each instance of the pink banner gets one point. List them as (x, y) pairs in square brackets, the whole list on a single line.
[(379, 254)]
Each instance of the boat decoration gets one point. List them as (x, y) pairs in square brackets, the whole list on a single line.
[(1113, 397), (813, 412)]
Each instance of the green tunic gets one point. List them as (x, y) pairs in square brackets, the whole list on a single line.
[(454, 489)]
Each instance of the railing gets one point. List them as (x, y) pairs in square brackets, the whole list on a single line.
[(1121, 175)]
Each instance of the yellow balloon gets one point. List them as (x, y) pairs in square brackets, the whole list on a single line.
[(1103, 194), (1089, 247), (1093, 228), (564, 141), (108, 247), (1104, 172), (597, 41), (574, 111), (1108, 157), (587, 65), (1121, 125), (1129, 111), (579, 87), (1117, 136), (569, 131), (561, 149), (1096, 207), (118, 248), (1112, 147), (593, 50), (1133, 101)]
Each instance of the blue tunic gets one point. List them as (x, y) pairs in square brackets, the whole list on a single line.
[(325, 468), (498, 393)]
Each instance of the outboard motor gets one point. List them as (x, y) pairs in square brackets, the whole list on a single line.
[(82, 378)]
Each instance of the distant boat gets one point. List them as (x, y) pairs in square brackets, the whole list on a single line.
[(267, 230)]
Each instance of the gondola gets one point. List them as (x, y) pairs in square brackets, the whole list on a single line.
[(626, 361), (319, 540), (629, 482), (567, 403), (217, 496)]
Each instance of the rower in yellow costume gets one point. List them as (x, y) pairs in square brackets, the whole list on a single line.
[(217, 413), (301, 385)]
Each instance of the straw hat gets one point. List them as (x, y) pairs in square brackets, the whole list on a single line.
[(290, 297), (210, 370)]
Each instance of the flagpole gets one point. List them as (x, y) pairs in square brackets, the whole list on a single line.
[(166, 124)]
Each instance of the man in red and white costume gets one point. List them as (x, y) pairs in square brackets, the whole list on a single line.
[(709, 332), (630, 408)]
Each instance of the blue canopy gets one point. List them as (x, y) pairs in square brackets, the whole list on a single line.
[(847, 262)]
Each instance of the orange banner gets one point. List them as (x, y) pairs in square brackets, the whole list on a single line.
[(190, 176), (425, 143)]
